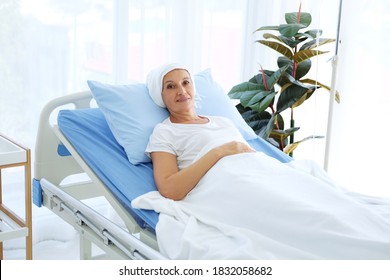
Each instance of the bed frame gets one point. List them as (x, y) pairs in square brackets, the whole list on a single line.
[(56, 187)]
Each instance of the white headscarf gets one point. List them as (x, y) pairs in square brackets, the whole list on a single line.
[(154, 81)]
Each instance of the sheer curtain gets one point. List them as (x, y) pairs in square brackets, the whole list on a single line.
[(359, 151), (50, 48)]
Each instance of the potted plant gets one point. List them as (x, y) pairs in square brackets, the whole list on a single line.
[(266, 95)]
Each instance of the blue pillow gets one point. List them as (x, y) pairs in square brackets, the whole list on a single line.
[(132, 115), (215, 102)]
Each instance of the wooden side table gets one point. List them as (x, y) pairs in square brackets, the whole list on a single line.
[(12, 226)]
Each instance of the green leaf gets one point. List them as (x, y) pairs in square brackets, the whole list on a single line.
[(258, 78), (314, 82), (313, 43), (280, 48), (268, 36), (301, 37), (283, 39), (290, 95), (291, 147), (273, 27), (266, 131), (276, 75), (249, 98), (280, 121), (292, 18), (264, 103), (302, 69), (294, 81), (254, 119), (306, 54), (237, 91), (283, 62), (257, 125), (317, 83), (281, 135), (291, 42), (313, 33), (290, 30), (304, 97), (268, 73)]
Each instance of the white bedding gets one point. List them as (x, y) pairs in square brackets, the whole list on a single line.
[(249, 206)]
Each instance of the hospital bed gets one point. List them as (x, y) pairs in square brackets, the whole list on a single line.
[(56, 159), (77, 158)]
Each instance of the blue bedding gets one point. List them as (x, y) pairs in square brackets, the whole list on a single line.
[(88, 132)]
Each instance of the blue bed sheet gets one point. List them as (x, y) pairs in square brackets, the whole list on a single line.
[(88, 132)]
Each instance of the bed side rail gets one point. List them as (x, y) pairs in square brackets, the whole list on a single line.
[(107, 235)]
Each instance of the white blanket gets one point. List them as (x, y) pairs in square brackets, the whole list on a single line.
[(250, 206)]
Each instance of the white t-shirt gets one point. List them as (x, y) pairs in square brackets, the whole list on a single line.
[(190, 141)]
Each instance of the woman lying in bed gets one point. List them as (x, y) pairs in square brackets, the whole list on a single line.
[(218, 198), (177, 142)]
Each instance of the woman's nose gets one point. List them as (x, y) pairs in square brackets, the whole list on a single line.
[(181, 90)]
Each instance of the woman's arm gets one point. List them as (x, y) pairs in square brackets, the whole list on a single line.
[(176, 184)]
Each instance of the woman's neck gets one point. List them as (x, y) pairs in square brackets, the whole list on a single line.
[(190, 119)]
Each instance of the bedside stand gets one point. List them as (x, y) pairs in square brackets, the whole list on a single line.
[(11, 225)]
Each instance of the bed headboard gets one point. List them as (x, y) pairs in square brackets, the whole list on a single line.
[(48, 161)]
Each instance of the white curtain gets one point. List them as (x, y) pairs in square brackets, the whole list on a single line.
[(359, 148), (51, 47)]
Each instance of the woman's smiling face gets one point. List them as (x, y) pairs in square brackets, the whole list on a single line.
[(178, 91)]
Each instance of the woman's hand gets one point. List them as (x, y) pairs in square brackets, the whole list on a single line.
[(232, 148), (176, 184)]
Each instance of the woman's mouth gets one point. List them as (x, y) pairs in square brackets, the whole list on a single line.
[(182, 99)]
